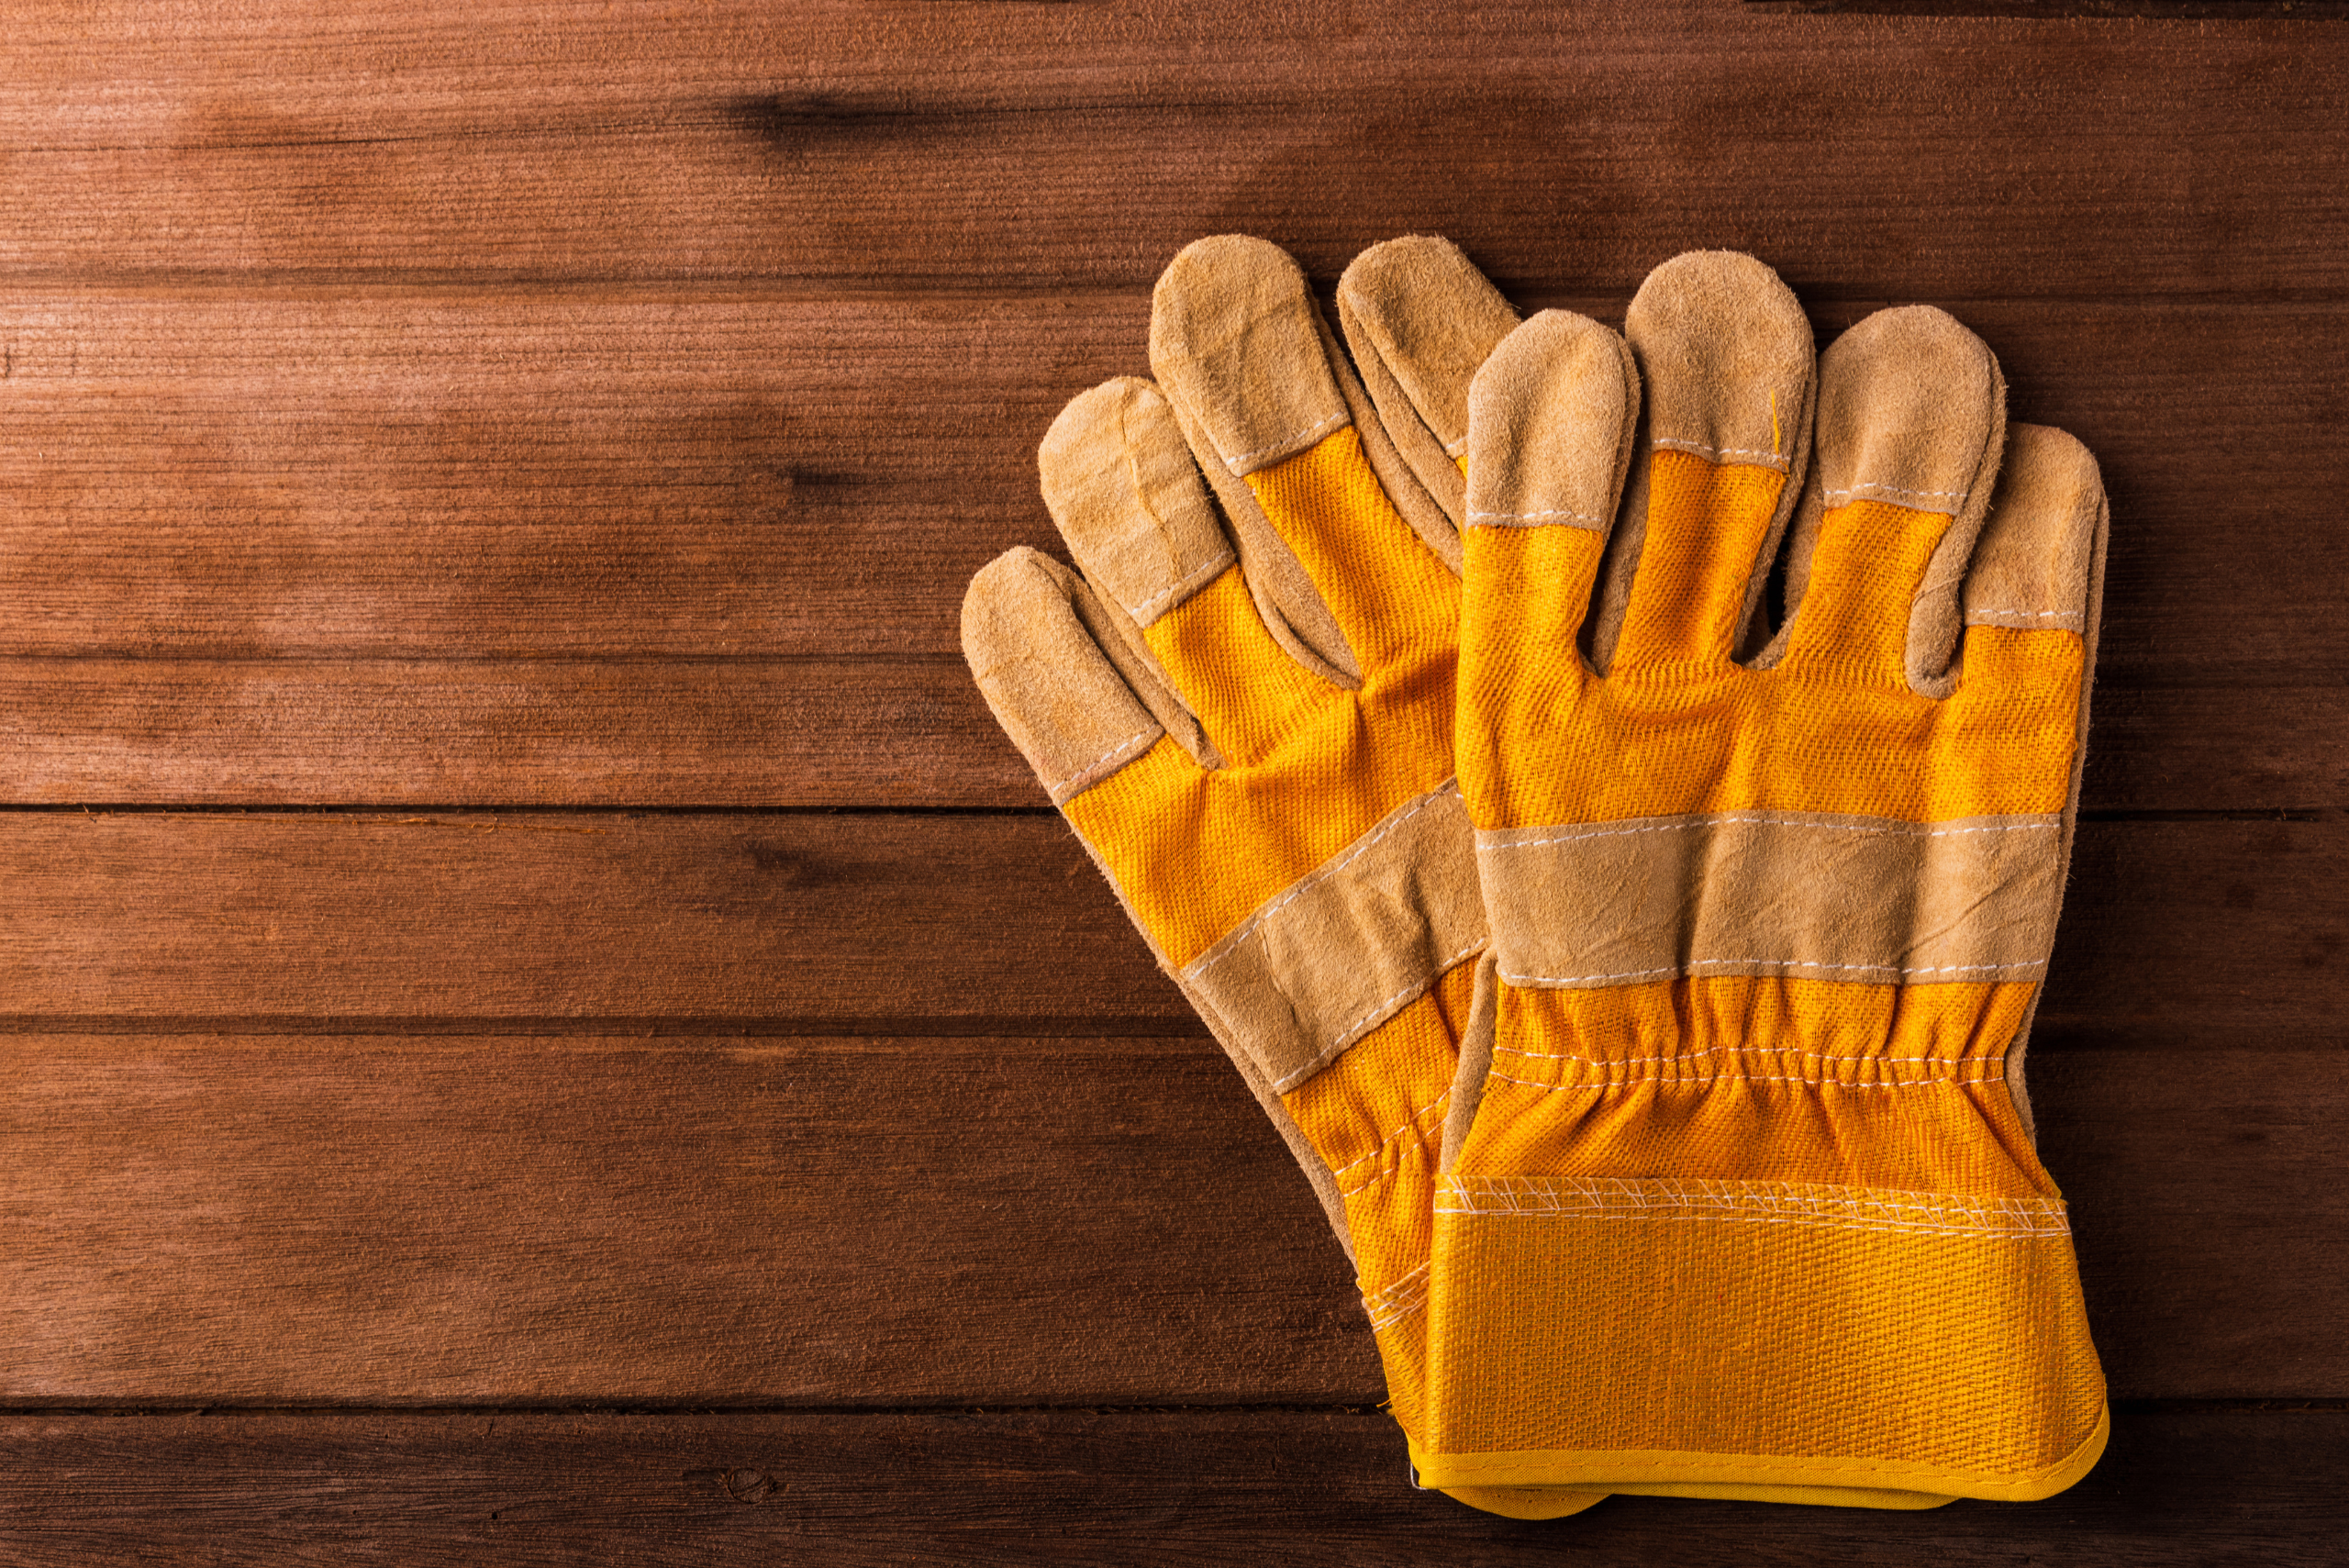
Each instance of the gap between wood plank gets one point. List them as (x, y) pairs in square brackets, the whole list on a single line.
[(135, 1410), (622, 810)]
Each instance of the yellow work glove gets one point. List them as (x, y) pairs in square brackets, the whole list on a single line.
[(1248, 719), (1739, 1196)]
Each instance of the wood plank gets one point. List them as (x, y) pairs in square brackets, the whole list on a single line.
[(2177, 1488), (908, 730), (2218, 933), (877, 1222), (477, 1221), (2211, 1269), (856, 140), (208, 474), (728, 921), (872, 731), (623, 549)]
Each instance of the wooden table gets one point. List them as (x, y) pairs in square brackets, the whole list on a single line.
[(545, 1023)]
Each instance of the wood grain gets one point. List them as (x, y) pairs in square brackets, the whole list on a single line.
[(886, 1222), (2203, 934), (2179, 1488), (612, 551), (200, 474), (792, 733), (1039, 146), (601, 404)]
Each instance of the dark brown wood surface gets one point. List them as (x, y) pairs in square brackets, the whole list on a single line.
[(541, 1021), (2179, 1488)]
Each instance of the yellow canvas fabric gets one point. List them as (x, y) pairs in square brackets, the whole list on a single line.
[(1309, 767), (1754, 1235), (1675, 726), (1708, 525), (1244, 706), (1376, 1115)]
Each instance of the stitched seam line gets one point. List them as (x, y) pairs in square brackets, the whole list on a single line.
[(1681, 443), (1150, 605), (1397, 1301), (1395, 1312), (1394, 1287), (1881, 489), (1887, 1229), (1532, 517), (1817, 1196), (1770, 962), (1346, 1036), (1909, 829), (1742, 1050), (1672, 1200), (2026, 615), (1233, 460), (1384, 1142), (1708, 1081), (1092, 771), (1352, 1032), (1403, 1310), (1231, 943)]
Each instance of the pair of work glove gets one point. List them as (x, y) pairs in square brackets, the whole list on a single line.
[(1638, 971)]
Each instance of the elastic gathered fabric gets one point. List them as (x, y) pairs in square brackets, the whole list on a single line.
[(1755, 1233)]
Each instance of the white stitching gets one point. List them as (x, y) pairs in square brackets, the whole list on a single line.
[(1773, 962), (1571, 979), (1750, 1078), (1916, 830), (1681, 443), (1397, 1300), (1386, 1315), (1532, 516), (1231, 943), (1345, 1037), (1395, 1312), (1391, 1137), (1679, 1191), (1824, 1207), (1151, 604), (1731, 1051), (1442, 966), (1882, 489), (1886, 1228), (2023, 615), (1091, 771), (1232, 460)]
